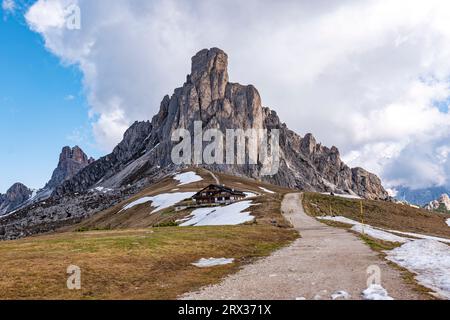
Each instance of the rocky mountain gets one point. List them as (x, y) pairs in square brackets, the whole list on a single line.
[(420, 197), (71, 161), (17, 195), (209, 97), (144, 154), (441, 204)]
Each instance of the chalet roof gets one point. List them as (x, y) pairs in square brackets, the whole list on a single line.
[(221, 188)]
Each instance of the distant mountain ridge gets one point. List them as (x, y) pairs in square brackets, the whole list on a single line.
[(71, 161), (442, 204), (420, 197)]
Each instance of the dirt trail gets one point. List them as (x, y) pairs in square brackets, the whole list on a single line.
[(324, 260), (216, 179)]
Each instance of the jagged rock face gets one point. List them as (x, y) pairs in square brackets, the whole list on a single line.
[(71, 161), (14, 198), (366, 183), (127, 151), (209, 97), (441, 204)]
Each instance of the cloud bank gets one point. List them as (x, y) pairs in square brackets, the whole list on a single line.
[(371, 77)]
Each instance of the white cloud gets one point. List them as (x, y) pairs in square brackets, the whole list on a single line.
[(110, 126), (363, 75), (8, 5), (46, 15)]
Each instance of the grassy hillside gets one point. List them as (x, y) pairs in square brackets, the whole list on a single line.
[(379, 214), (123, 254), (130, 264), (139, 216)]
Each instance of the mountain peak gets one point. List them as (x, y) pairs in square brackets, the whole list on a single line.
[(76, 154), (209, 75), (209, 61), (17, 194), (17, 189), (71, 161)]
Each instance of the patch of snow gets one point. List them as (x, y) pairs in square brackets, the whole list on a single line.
[(160, 201), (378, 233), (187, 177), (103, 189), (345, 196), (136, 203), (408, 234), (330, 185), (211, 262), (429, 259), (376, 292), (340, 219), (266, 190), (421, 236), (341, 294), (232, 214), (250, 194), (33, 194), (166, 200), (448, 222), (154, 148), (8, 214)]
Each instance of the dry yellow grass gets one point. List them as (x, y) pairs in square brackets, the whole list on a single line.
[(122, 258), (130, 264)]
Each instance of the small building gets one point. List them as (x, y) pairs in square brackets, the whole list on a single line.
[(217, 194)]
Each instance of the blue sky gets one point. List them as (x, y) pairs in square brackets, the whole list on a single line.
[(42, 107)]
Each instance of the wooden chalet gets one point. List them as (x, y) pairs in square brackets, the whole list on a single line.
[(217, 194)]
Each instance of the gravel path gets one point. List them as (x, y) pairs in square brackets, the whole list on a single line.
[(324, 260)]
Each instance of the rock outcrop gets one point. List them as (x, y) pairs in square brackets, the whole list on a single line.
[(442, 204), (71, 161)]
